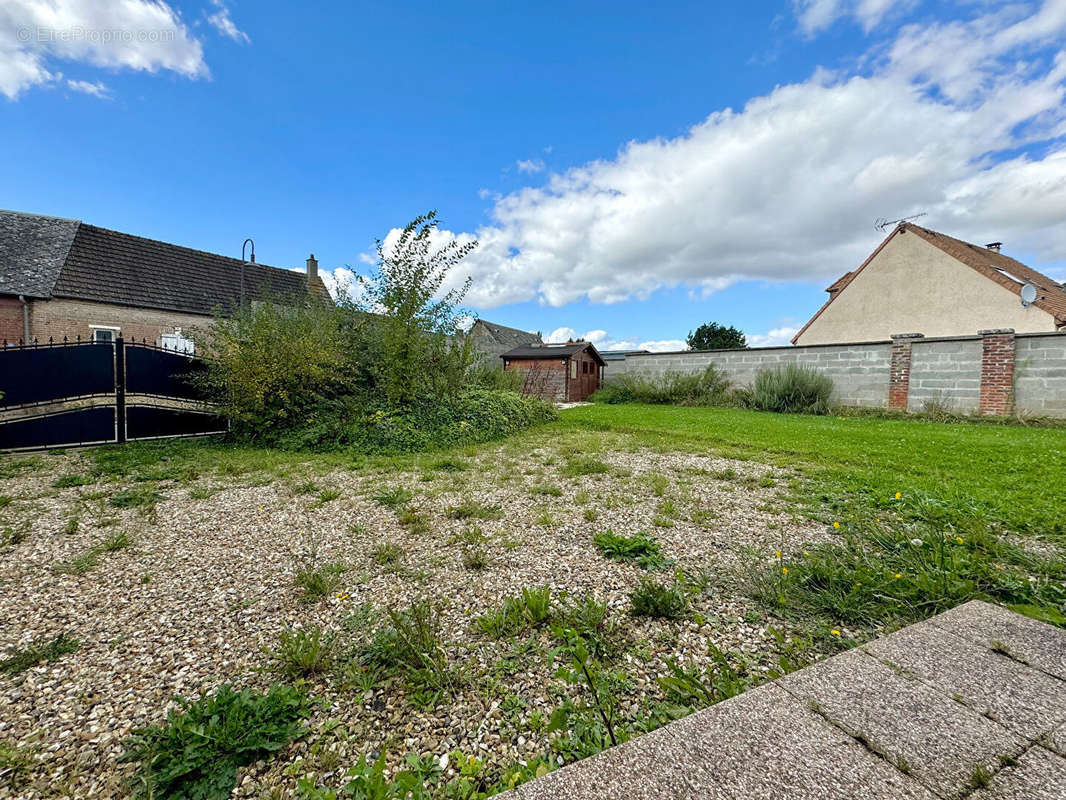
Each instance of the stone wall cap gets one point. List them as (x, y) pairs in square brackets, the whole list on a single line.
[(995, 331), (908, 335)]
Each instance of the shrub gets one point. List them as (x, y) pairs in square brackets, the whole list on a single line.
[(790, 389), (20, 660), (303, 652), (197, 751), (639, 548), (653, 599), (708, 388)]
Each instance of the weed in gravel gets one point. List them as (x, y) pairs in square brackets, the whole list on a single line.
[(16, 764), (549, 491), (326, 496), (582, 498), (142, 497), (662, 522), (386, 553), (590, 515), (115, 542), (196, 752), (317, 582), (303, 652), (21, 659), (414, 520), (358, 529), (475, 559), (545, 519), (9, 468), (658, 483), (694, 688), (84, 562), (67, 481), (640, 548), (473, 509), (394, 497), (581, 721), (70, 527), (201, 492), (14, 534), (576, 467), (531, 608), (449, 465), (409, 646), (305, 487), (6, 500), (654, 599)]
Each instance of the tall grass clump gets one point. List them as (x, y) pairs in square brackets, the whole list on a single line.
[(708, 388), (790, 389)]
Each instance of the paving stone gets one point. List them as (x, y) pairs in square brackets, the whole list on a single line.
[(1056, 740), (1036, 643), (1038, 775), (762, 745), (915, 726), (1029, 702)]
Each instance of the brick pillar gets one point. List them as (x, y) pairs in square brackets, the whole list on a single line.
[(899, 376), (997, 371)]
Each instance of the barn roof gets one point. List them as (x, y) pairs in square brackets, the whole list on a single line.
[(552, 351)]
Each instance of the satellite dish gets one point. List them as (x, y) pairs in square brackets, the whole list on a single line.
[(1028, 295)]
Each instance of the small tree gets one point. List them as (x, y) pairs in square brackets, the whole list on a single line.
[(712, 336), (416, 327)]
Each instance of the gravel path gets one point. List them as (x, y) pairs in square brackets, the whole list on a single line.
[(206, 586)]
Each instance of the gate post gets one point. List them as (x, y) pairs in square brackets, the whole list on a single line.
[(120, 390)]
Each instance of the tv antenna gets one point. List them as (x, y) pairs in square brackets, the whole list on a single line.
[(882, 224)]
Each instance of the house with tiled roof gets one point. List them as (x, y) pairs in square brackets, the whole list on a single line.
[(491, 339), (922, 281), (65, 278)]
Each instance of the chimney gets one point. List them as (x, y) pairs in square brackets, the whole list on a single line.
[(994, 246), (312, 267)]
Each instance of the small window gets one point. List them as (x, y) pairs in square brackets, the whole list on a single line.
[(104, 334)]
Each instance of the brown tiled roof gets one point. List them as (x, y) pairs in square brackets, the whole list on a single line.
[(552, 351), (1051, 296), (85, 262)]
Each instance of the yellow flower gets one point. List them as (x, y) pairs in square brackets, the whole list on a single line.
[(958, 539), (899, 495), (784, 570), (899, 574), (836, 525), (835, 632), (779, 554)]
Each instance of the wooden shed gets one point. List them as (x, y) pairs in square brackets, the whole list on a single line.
[(561, 373)]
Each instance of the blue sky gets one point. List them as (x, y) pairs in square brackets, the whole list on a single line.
[(631, 170)]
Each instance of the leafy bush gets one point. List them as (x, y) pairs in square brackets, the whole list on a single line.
[(708, 388), (654, 599), (790, 389), (196, 752), (20, 660), (639, 548)]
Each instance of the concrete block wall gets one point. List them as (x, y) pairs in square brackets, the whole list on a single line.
[(1040, 374), (945, 371), (994, 372), (859, 371)]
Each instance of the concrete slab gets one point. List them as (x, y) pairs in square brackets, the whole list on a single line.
[(1027, 701), (1035, 643), (1056, 740), (920, 730), (1038, 775), (762, 745)]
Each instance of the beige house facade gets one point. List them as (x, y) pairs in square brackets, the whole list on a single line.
[(921, 281)]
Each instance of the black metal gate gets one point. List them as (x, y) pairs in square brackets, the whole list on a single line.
[(60, 394)]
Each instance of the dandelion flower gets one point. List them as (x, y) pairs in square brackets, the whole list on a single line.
[(959, 539), (784, 570), (899, 574), (779, 554), (899, 495), (836, 525), (835, 632)]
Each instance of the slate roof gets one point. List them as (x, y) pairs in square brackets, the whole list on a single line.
[(1009, 273), (32, 251), (111, 267), (502, 335), (552, 351)]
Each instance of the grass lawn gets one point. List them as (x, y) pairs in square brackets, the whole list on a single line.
[(479, 603)]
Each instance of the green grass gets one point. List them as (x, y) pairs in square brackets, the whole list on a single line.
[(472, 509), (995, 473), (22, 659)]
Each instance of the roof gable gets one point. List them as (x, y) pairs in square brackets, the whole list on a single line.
[(552, 352), (33, 249), (503, 335), (1051, 297)]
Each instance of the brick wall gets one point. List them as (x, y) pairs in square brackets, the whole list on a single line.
[(998, 372), (72, 318), (10, 319)]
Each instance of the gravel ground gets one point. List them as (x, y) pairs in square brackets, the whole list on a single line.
[(207, 585)]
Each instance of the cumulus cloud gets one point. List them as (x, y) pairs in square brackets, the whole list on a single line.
[(788, 187), (94, 88), (814, 16), (139, 35), (777, 337), (223, 23), (605, 342)]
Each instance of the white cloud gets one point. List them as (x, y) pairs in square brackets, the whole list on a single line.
[(817, 15), (776, 337), (223, 23), (605, 342), (139, 35), (788, 187), (96, 89), (530, 166)]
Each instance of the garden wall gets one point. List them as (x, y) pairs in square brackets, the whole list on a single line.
[(993, 372)]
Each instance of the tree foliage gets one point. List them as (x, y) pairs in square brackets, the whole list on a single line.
[(713, 336)]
